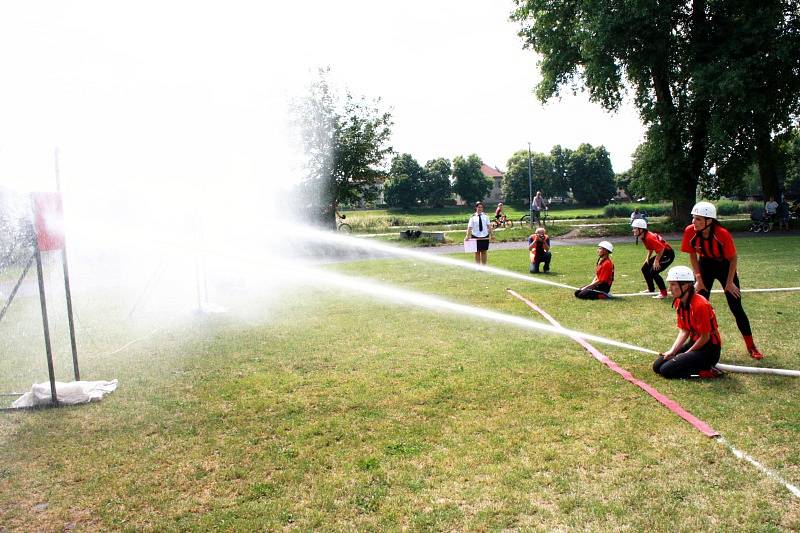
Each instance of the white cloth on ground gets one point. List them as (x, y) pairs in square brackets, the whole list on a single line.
[(71, 393)]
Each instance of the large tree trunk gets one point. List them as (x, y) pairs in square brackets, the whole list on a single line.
[(765, 157)]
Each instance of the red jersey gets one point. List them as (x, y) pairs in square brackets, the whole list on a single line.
[(718, 245), (654, 242), (697, 318), (605, 271)]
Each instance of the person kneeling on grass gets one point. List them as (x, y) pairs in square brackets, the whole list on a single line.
[(600, 286), (539, 248), (697, 347), (653, 264)]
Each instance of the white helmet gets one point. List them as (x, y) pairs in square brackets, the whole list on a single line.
[(680, 273), (639, 223), (705, 209), (607, 245)]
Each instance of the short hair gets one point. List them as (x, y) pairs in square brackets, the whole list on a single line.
[(540, 230), (478, 203)]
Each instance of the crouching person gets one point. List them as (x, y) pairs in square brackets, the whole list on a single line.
[(697, 347), (600, 286), (539, 248)]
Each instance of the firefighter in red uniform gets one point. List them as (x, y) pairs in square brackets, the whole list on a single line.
[(653, 264), (713, 257), (539, 248), (600, 286), (696, 349)]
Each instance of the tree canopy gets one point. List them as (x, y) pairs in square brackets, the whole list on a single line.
[(682, 63), (470, 183), (346, 143), (404, 187), (436, 187)]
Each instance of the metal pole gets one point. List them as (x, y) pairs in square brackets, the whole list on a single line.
[(67, 290), (16, 287), (530, 185), (46, 327)]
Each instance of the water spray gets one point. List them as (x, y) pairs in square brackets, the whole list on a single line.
[(311, 234)]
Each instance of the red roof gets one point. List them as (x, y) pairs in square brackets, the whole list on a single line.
[(490, 172)]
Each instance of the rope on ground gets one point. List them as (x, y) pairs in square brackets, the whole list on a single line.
[(673, 406), (667, 402)]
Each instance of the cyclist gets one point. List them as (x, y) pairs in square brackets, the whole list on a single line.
[(697, 347), (499, 216), (713, 257), (653, 264)]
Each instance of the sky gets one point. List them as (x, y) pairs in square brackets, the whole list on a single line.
[(193, 94)]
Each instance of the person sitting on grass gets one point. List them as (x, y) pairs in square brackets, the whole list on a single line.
[(600, 286), (696, 349), (653, 264), (539, 248)]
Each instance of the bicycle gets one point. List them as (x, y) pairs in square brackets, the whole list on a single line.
[(502, 222), (525, 220), (344, 227)]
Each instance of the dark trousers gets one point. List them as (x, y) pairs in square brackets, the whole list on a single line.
[(687, 363), (712, 269), (544, 257), (599, 291), (651, 275)]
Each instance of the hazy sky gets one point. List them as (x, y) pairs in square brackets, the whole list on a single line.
[(148, 93)]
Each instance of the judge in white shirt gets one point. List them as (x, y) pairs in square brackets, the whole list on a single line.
[(480, 229)]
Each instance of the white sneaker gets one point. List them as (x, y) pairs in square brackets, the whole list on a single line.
[(659, 296)]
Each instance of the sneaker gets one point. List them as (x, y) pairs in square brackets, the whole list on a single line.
[(547, 269), (710, 373), (659, 296), (755, 354)]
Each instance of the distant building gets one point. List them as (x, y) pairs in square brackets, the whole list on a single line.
[(494, 174)]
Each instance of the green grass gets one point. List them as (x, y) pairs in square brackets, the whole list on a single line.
[(333, 411)]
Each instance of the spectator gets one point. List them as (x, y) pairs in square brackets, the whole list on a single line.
[(478, 228), (539, 205), (783, 214), (637, 215), (539, 248)]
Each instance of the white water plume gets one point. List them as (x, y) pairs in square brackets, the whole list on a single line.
[(316, 277), (349, 243)]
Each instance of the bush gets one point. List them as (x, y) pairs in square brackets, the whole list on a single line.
[(724, 207)]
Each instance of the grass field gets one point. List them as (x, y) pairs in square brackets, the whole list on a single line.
[(322, 409)]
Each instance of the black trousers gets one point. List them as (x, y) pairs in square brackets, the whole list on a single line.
[(651, 275), (712, 269), (686, 363), (600, 292), (544, 257)]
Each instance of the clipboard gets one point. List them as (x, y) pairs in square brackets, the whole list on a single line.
[(470, 245)]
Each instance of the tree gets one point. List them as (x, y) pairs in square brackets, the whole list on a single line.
[(591, 175), (470, 183), (345, 140), (404, 187), (557, 183), (712, 80), (436, 187), (401, 191), (757, 94), (515, 181)]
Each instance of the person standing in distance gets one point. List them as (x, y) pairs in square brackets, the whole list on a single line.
[(653, 264), (600, 286), (539, 205), (539, 248), (478, 228), (713, 257), (697, 347)]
